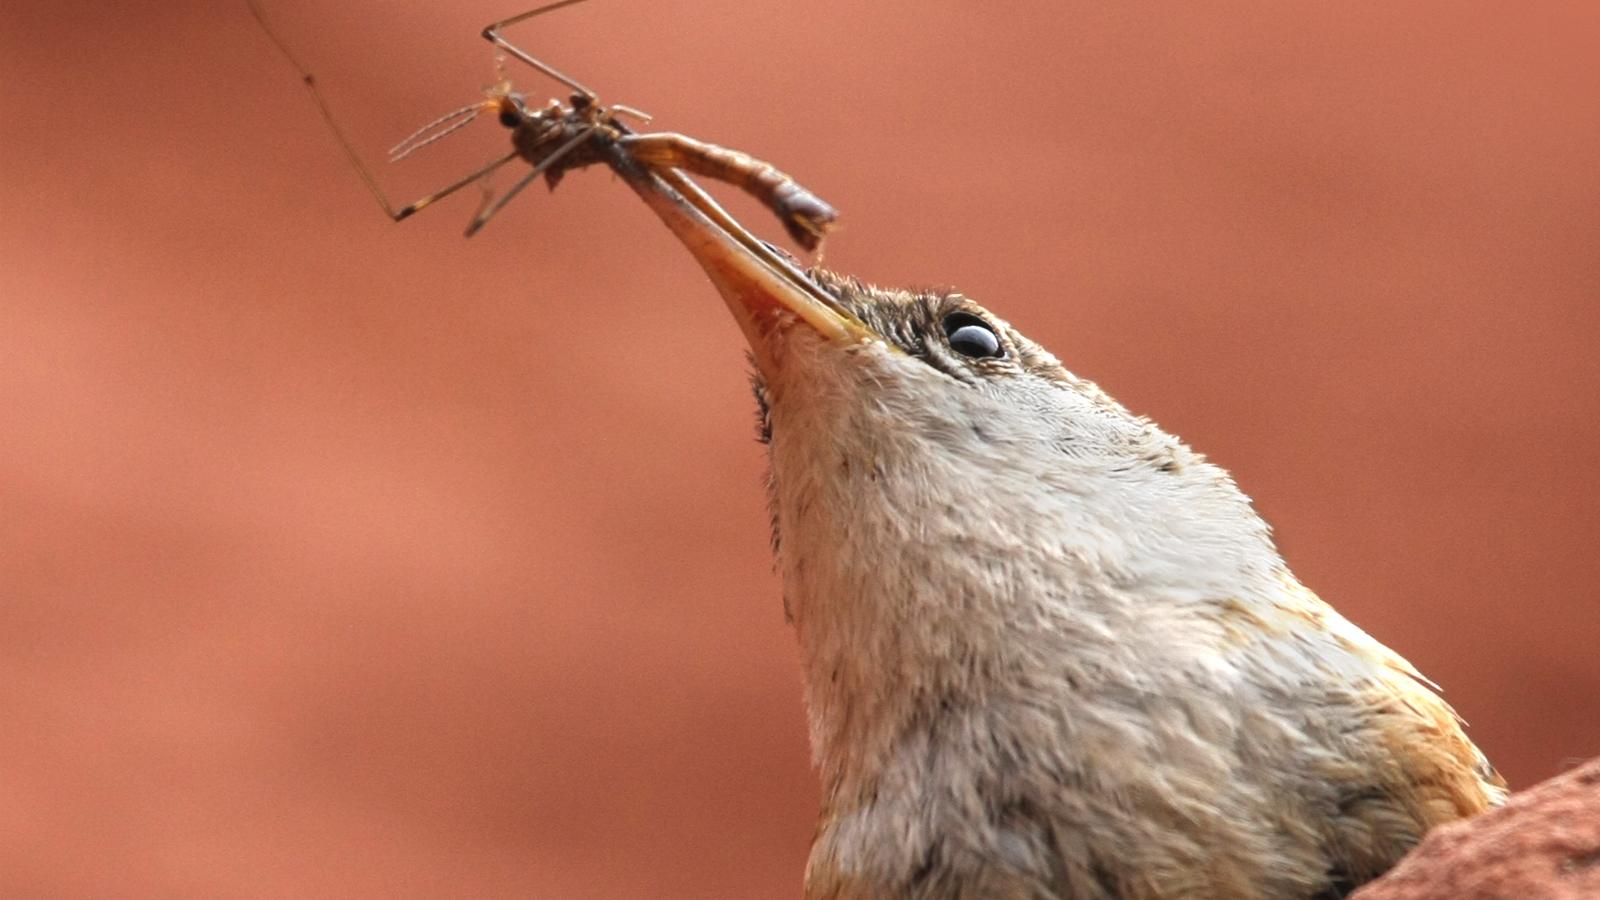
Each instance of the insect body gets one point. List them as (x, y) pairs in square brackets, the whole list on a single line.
[(559, 137), (804, 215)]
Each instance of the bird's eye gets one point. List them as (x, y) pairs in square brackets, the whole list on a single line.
[(971, 336)]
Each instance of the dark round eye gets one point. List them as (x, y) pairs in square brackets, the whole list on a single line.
[(512, 110), (971, 336)]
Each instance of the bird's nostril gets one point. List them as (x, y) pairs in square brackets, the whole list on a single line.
[(789, 257)]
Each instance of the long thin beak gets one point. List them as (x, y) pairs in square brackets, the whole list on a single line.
[(762, 288)]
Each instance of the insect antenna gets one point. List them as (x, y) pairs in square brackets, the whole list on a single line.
[(446, 124)]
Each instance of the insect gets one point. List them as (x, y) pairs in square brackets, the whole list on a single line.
[(559, 137)]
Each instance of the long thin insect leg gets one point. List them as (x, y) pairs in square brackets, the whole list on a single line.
[(310, 81), (445, 192), (491, 33), (619, 109), (483, 217), (367, 177)]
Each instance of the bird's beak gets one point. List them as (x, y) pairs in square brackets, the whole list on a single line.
[(765, 291)]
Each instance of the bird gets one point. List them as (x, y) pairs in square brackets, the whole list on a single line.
[(1048, 650)]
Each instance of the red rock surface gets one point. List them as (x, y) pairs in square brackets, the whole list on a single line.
[(1542, 845)]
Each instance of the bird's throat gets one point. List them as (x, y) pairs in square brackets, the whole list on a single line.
[(896, 572)]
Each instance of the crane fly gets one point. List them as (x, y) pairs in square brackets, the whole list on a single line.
[(559, 137)]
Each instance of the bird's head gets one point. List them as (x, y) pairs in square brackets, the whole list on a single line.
[(903, 422), (929, 358), (871, 363)]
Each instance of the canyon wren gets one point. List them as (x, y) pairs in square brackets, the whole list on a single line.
[(1049, 651)]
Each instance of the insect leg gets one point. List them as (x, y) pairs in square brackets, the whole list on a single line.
[(310, 82), (491, 33), (804, 215), (619, 109), (447, 191), (367, 177), (489, 211)]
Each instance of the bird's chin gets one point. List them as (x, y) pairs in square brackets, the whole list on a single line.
[(786, 346), (791, 323), (779, 322)]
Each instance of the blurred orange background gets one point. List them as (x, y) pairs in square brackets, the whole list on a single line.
[(342, 558)]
